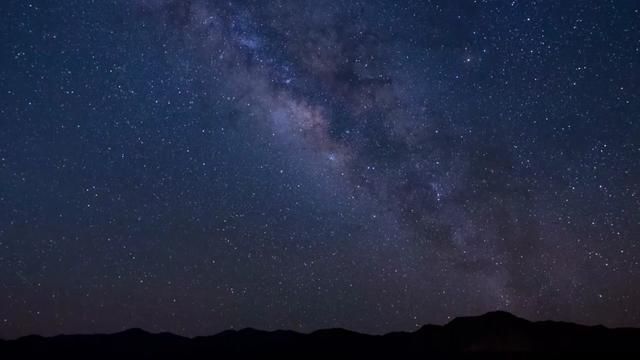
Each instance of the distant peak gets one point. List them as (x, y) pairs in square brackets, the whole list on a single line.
[(500, 314), (134, 331), (241, 332), (492, 317), (334, 331)]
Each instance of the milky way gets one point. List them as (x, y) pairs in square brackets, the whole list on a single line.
[(192, 166)]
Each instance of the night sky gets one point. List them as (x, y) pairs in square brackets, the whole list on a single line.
[(195, 166)]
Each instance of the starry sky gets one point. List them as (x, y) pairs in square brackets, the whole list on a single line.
[(193, 166)]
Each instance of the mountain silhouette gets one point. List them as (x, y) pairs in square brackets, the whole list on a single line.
[(492, 332)]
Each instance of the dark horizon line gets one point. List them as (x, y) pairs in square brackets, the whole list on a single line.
[(490, 314)]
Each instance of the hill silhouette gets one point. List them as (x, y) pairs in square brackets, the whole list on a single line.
[(491, 332)]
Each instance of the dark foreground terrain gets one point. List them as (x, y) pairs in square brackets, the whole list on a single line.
[(492, 332)]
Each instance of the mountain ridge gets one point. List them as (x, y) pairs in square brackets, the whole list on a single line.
[(496, 331)]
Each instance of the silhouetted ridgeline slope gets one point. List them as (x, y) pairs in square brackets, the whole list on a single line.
[(496, 331)]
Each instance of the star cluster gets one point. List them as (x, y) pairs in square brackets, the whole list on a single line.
[(192, 166)]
